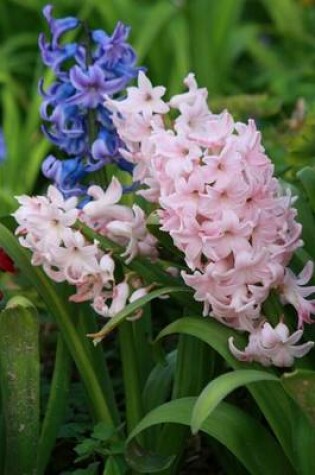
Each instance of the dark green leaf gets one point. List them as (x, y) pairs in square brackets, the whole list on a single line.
[(301, 386), (114, 466), (103, 431), (246, 438), (158, 385)]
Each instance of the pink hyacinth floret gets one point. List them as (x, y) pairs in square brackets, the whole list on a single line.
[(272, 346), (219, 201)]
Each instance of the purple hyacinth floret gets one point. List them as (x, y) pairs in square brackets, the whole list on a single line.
[(3, 150), (73, 104)]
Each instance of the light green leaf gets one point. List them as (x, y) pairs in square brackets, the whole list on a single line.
[(219, 388), (156, 18), (286, 15), (307, 178)]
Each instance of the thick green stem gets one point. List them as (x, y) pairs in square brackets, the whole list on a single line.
[(134, 410), (87, 324), (142, 335)]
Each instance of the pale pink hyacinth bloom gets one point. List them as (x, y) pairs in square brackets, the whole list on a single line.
[(45, 228), (272, 346), (219, 201)]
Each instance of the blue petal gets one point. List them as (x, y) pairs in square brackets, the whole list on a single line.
[(3, 150)]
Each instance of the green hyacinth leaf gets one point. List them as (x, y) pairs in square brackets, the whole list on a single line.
[(246, 438), (19, 378), (307, 178), (275, 404), (219, 388), (301, 386)]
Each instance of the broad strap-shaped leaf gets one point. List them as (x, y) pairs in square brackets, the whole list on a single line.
[(301, 386), (158, 384), (305, 216), (275, 404), (19, 380), (307, 178), (145, 461), (303, 437), (56, 406), (219, 388), (246, 438), (156, 18), (115, 466)]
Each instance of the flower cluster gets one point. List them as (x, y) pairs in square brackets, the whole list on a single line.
[(272, 346), (221, 205), (76, 120), (46, 227)]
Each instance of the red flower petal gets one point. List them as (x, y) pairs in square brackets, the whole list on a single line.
[(6, 263)]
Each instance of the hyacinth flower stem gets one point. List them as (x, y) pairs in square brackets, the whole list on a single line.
[(134, 409), (87, 324)]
